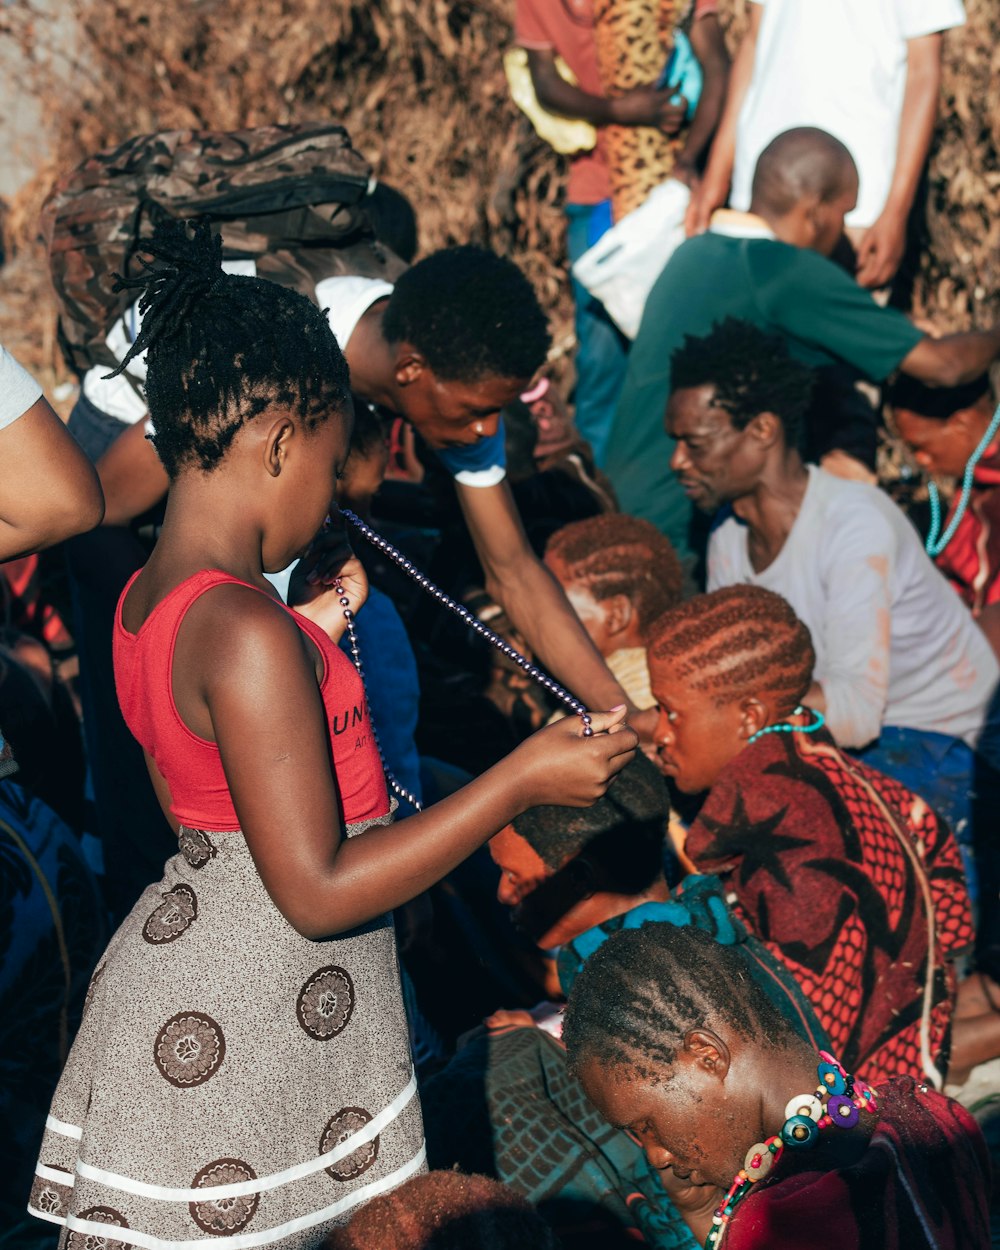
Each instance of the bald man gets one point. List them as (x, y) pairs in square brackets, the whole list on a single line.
[(770, 267)]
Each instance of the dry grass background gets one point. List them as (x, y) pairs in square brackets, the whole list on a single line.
[(419, 85)]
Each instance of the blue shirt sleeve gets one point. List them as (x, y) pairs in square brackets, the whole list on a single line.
[(482, 463)]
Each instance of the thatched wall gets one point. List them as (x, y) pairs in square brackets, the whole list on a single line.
[(420, 87)]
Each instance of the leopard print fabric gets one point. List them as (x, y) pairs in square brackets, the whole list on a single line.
[(634, 39)]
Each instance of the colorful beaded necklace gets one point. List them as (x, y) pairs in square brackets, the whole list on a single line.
[(473, 622), (936, 541), (838, 1100), (783, 727)]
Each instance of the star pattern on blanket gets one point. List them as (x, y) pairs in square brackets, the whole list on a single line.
[(755, 844)]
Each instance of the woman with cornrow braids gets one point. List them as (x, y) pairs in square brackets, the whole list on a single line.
[(242, 1069), (850, 880), (766, 1143)]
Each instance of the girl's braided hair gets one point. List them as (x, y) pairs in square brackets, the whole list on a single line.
[(735, 643), (222, 348)]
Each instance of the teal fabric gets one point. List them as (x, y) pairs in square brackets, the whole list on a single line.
[(820, 310)]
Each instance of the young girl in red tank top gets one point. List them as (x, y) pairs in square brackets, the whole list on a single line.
[(243, 1068)]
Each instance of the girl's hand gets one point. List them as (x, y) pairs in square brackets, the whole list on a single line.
[(561, 767), (312, 591)]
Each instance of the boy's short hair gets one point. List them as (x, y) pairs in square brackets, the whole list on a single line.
[(938, 402), (471, 314)]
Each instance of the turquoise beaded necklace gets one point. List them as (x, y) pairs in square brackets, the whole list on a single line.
[(783, 727), (936, 541)]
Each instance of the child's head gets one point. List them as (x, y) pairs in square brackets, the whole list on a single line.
[(246, 375), (445, 1211), (560, 865), (224, 349), (670, 1035), (942, 425), (723, 666), (366, 461), (467, 334), (619, 573)]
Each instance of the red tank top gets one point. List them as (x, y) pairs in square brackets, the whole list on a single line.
[(192, 766)]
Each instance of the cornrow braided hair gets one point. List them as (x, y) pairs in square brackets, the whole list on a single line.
[(752, 372), (625, 829), (644, 989), (222, 349), (737, 642), (615, 554)]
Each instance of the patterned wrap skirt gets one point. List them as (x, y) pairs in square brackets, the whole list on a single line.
[(233, 1084)]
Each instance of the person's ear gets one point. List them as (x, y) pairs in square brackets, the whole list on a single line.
[(410, 365), (767, 428), (277, 442), (618, 613), (753, 717), (968, 423), (708, 1051), (813, 216)]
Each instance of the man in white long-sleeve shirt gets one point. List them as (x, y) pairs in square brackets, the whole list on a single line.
[(902, 670)]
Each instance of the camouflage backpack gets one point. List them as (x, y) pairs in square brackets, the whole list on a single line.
[(291, 198)]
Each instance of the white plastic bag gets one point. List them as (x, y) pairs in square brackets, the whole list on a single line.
[(623, 264)]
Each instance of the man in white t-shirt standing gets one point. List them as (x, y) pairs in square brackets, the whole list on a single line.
[(903, 674), (866, 71)]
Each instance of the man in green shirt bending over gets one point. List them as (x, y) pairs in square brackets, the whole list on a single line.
[(770, 267)]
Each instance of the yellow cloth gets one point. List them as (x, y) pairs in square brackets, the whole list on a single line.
[(565, 134), (632, 674)]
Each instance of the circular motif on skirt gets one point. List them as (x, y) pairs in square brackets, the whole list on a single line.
[(96, 1241), (189, 1049), (46, 1199), (195, 846), (326, 1003), (339, 1128), (173, 916), (224, 1215)]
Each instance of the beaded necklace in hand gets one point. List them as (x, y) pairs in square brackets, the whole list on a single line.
[(473, 622), (936, 541), (837, 1101)]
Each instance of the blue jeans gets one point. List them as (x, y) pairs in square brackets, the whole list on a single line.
[(940, 769), (602, 349), (963, 786)]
